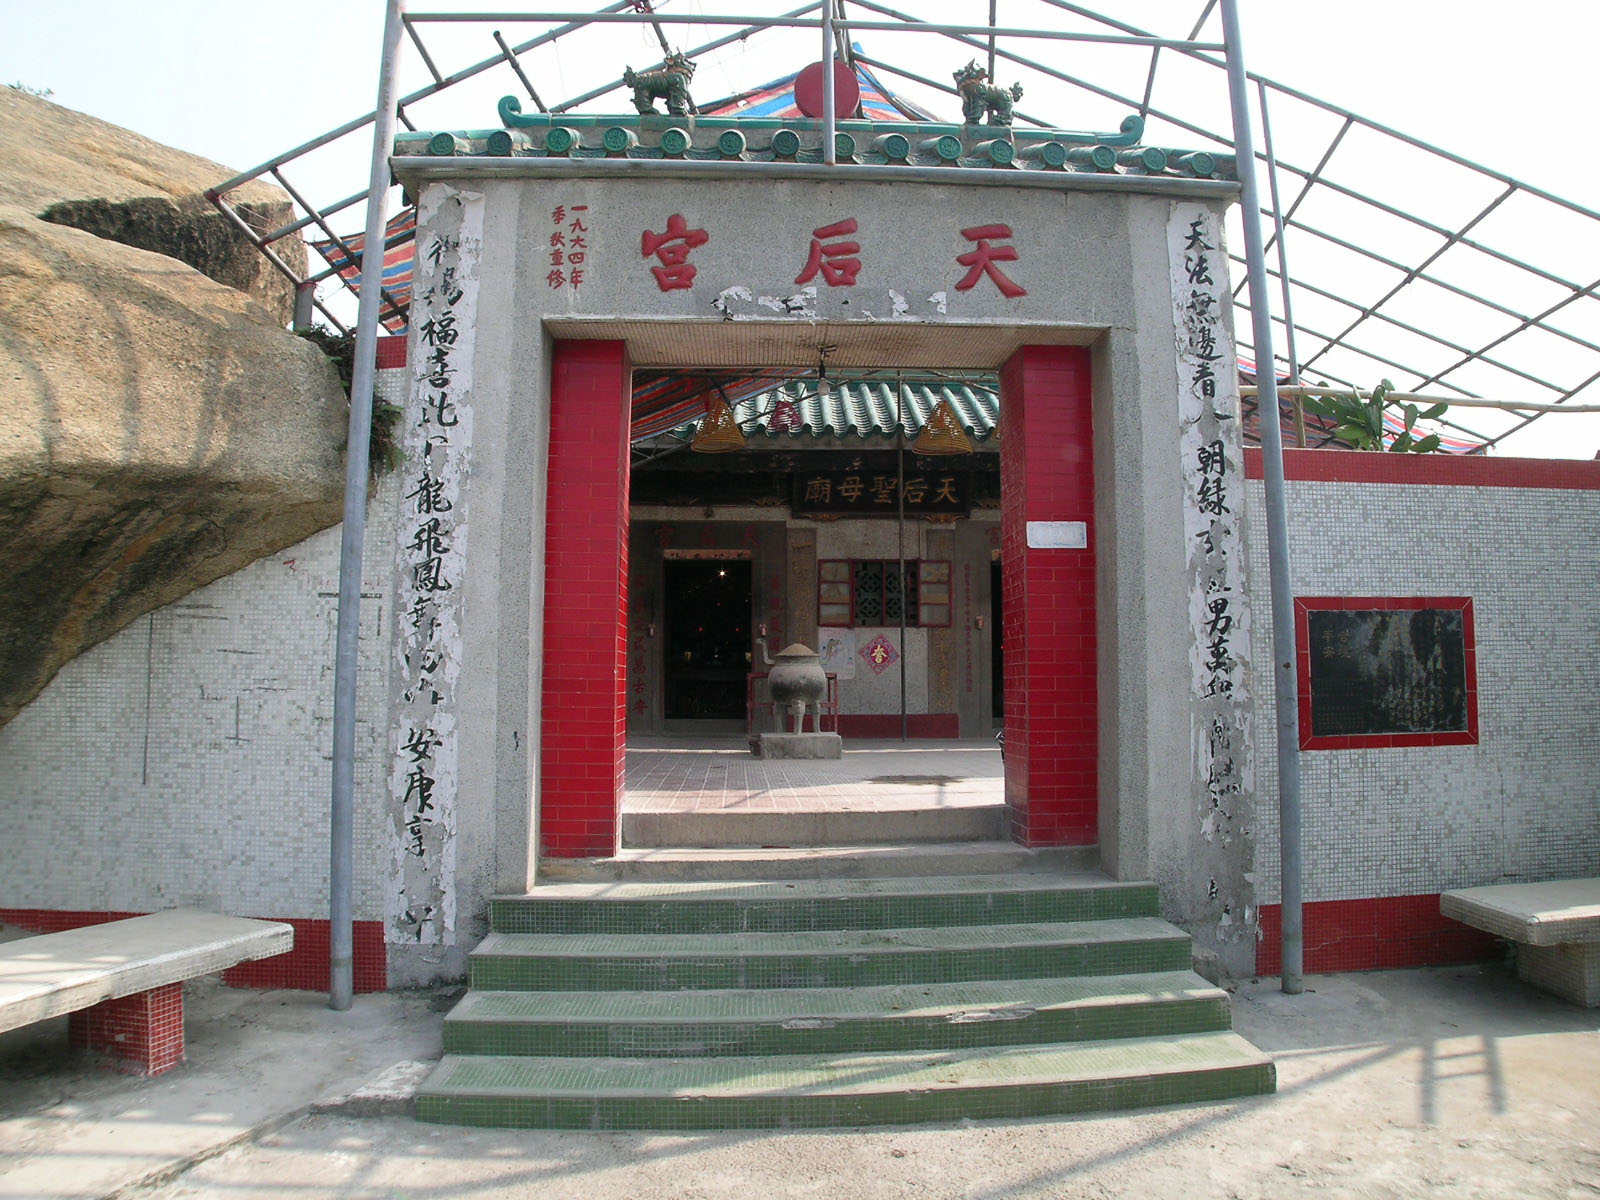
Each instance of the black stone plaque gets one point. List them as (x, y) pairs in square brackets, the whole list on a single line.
[(870, 493), (1387, 671)]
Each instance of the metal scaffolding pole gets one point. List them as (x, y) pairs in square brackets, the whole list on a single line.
[(341, 836), (830, 114), (1283, 651)]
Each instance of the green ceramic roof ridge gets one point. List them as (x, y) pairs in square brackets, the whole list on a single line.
[(858, 135)]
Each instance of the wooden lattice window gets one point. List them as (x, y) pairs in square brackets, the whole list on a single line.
[(873, 592)]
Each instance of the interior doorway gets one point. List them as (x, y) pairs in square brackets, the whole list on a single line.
[(707, 642)]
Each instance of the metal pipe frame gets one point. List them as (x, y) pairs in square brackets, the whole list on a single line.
[(986, 40), (1436, 281), (705, 48), (1315, 177), (1284, 680), (1387, 362), (341, 837), (1439, 339), (912, 26), (1419, 398)]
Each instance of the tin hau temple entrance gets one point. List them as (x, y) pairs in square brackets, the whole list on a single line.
[(585, 330)]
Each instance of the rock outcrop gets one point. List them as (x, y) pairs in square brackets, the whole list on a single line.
[(163, 428)]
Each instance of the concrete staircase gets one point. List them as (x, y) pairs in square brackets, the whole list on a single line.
[(727, 1003)]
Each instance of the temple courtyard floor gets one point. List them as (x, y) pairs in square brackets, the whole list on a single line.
[(1457, 1081)]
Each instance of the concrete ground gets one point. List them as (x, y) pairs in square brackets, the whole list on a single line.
[(1449, 1081), (719, 774)]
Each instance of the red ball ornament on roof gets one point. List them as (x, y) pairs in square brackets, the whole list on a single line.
[(846, 90)]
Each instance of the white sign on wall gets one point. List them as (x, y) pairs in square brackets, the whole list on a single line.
[(1058, 535)]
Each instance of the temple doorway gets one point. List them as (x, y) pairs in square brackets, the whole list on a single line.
[(706, 647)]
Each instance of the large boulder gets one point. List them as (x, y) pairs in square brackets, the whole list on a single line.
[(163, 429), (77, 170)]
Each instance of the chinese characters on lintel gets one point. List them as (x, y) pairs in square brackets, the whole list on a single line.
[(672, 248), (838, 262)]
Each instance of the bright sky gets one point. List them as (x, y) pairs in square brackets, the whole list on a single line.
[(240, 84)]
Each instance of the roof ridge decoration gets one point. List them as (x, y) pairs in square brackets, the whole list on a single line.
[(670, 82), (978, 95)]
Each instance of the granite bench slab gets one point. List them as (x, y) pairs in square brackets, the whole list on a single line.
[(51, 974), (1556, 925)]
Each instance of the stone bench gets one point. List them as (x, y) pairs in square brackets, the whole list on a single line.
[(122, 982), (1556, 926)]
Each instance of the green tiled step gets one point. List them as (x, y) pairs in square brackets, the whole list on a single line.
[(809, 1091), (832, 958), (818, 862), (953, 822), (732, 907), (943, 1016)]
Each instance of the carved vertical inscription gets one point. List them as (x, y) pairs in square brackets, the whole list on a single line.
[(1211, 452), (430, 564)]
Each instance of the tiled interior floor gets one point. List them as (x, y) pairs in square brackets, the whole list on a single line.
[(686, 774)]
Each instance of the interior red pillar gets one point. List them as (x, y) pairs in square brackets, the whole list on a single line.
[(1048, 592), (584, 717)]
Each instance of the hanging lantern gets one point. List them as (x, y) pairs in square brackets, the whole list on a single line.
[(718, 432), (943, 433), (785, 416)]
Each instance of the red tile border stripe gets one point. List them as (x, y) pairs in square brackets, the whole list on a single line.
[(391, 353), (1440, 470), (1368, 935), (887, 725)]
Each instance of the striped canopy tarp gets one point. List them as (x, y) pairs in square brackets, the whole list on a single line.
[(399, 260), (776, 99), (672, 400)]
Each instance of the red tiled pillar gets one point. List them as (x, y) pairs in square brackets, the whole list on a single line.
[(584, 715), (142, 1032), (1051, 701)]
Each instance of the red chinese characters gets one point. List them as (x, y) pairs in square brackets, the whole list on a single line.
[(836, 260), (672, 248), (569, 246), (834, 254), (981, 260)]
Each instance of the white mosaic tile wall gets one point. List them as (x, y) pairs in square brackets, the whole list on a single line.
[(186, 760), (1523, 804)]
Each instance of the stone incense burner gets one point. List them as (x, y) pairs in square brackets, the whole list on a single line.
[(796, 682)]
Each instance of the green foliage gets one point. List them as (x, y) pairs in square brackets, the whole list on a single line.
[(384, 452), (1359, 423), (41, 93)]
